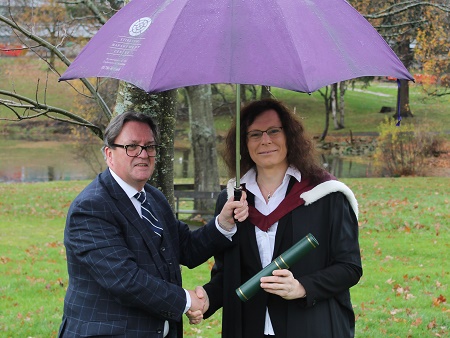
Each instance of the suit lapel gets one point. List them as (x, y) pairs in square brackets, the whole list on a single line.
[(126, 207)]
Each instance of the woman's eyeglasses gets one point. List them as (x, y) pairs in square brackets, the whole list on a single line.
[(271, 132)]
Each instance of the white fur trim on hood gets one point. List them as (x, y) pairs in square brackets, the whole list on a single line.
[(328, 187), (316, 193)]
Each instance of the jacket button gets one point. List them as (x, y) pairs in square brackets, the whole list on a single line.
[(163, 249)]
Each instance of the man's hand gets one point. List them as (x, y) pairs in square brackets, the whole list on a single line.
[(199, 305), (283, 284), (233, 210)]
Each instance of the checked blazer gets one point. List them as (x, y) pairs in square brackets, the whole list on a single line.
[(122, 283)]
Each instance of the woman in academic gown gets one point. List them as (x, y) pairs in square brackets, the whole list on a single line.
[(312, 298)]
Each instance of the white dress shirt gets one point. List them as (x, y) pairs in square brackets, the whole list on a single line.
[(266, 240)]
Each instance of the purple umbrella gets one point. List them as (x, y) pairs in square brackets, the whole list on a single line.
[(301, 45)]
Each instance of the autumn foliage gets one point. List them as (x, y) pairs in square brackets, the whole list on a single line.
[(401, 150)]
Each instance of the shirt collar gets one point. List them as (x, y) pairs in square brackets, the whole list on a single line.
[(129, 190), (250, 178)]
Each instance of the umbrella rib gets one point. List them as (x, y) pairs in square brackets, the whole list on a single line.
[(168, 37), (232, 38), (280, 9)]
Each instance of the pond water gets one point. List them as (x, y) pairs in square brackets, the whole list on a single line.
[(22, 161)]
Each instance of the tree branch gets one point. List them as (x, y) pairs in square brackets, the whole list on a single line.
[(38, 109), (62, 57), (405, 6)]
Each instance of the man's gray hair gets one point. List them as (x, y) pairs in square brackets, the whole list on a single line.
[(115, 126)]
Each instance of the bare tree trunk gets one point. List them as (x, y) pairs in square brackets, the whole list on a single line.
[(342, 89), (265, 92), (327, 101), (333, 101), (164, 179), (162, 108), (405, 108), (243, 89), (203, 141)]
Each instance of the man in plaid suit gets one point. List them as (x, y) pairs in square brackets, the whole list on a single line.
[(125, 279)]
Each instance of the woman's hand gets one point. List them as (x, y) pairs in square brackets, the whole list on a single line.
[(233, 210), (283, 284), (194, 314)]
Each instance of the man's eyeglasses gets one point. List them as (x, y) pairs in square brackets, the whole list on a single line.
[(134, 150), (271, 132)]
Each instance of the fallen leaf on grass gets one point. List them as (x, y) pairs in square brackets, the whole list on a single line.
[(432, 324), (4, 260), (439, 300), (406, 229), (395, 311), (53, 244), (196, 330), (409, 296), (417, 322)]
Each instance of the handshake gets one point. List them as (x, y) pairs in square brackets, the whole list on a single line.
[(199, 305)]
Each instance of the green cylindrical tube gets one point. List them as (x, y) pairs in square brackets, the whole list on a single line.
[(283, 261)]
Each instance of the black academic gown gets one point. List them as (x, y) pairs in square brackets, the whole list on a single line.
[(326, 272)]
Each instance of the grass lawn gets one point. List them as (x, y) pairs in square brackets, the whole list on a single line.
[(404, 236)]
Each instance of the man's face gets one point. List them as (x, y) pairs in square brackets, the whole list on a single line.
[(134, 170)]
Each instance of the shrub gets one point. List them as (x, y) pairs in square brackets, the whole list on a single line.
[(401, 151)]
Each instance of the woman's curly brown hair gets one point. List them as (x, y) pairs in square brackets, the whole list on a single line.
[(300, 147)]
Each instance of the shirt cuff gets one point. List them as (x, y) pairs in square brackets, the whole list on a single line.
[(188, 301), (227, 234)]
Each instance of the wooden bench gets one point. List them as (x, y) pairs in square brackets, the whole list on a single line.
[(190, 195)]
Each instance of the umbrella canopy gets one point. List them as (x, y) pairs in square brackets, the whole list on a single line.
[(301, 45)]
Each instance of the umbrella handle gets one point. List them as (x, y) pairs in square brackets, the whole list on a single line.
[(237, 197)]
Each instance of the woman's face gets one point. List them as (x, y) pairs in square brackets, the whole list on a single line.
[(269, 150)]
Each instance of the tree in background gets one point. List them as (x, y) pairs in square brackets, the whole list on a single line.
[(203, 143), (87, 146), (399, 23), (50, 20), (432, 52), (129, 97)]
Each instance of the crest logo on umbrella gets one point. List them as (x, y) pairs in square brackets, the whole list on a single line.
[(139, 26)]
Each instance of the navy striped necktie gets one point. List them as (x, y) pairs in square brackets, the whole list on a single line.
[(147, 214)]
